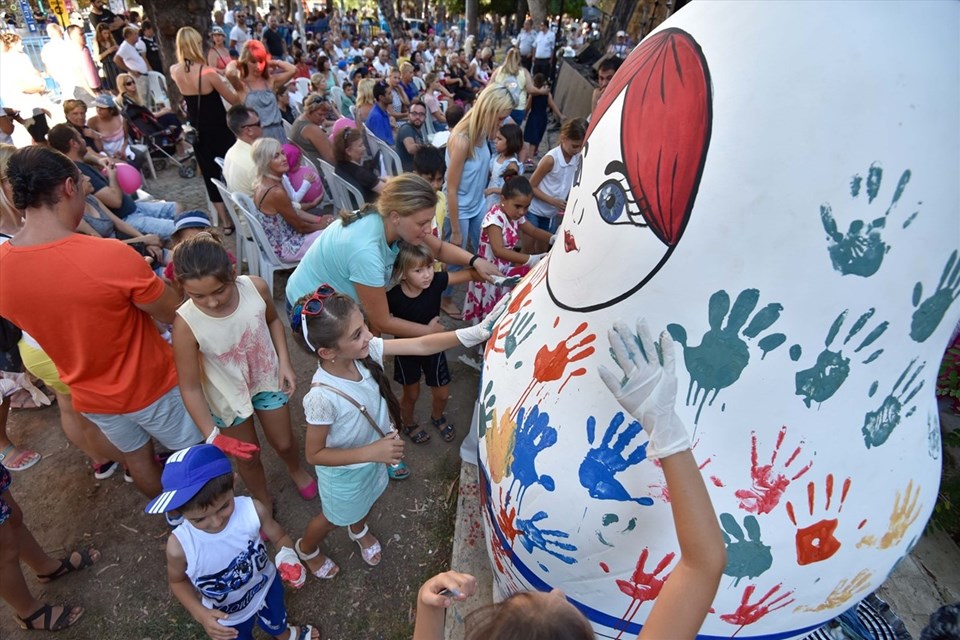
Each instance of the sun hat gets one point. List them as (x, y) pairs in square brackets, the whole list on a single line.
[(105, 101), (191, 220), (185, 474)]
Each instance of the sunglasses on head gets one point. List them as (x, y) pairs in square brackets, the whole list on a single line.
[(312, 306)]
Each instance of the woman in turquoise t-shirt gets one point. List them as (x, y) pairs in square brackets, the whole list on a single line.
[(355, 254)]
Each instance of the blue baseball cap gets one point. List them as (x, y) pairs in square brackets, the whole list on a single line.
[(194, 219), (185, 474)]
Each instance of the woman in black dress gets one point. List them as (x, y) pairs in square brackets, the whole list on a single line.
[(202, 87)]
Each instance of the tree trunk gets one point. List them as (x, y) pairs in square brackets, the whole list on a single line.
[(471, 17), (168, 17), (522, 9), (538, 11), (390, 15)]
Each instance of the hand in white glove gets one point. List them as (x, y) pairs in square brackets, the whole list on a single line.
[(552, 239), (290, 568), (648, 390), (534, 259), (472, 336)]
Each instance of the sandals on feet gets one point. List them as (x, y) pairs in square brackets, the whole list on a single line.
[(367, 553), (417, 433), (301, 632), (446, 429), (67, 617), (87, 559), (327, 571), (15, 459), (229, 231), (399, 471)]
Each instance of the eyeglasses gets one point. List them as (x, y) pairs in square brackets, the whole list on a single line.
[(418, 113), (128, 83), (252, 124), (310, 307)]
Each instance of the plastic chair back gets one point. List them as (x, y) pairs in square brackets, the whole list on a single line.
[(270, 262), (246, 249)]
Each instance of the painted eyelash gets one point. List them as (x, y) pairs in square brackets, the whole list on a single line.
[(633, 206)]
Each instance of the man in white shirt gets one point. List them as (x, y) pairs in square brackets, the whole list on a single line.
[(543, 50), (239, 35), (129, 59), (525, 42), (620, 47), (239, 170), (382, 63)]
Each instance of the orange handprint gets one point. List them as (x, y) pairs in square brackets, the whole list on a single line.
[(501, 439), (748, 613), (843, 592), (816, 542), (905, 513), (550, 365)]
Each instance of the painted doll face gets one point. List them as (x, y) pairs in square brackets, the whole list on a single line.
[(638, 177)]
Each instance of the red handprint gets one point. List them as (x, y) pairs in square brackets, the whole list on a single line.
[(748, 613), (551, 364), (663, 492), (643, 586), (816, 542), (769, 482)]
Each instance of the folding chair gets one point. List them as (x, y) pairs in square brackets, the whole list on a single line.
[(246, 247), (270, 262), (303, 87), (389, 160)]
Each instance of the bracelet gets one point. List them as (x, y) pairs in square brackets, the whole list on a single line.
[(474, 259)]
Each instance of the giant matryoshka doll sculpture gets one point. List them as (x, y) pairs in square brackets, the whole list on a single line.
[(775, 184)]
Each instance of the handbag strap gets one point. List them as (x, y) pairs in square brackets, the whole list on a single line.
[(363, 409)]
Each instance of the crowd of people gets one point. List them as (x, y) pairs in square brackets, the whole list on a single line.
[(170, 349)]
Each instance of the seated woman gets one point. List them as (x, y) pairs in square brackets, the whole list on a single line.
[(283, 101), (289, 230), (306, 132), (114, 138), (75, 111), (132, 103), (348, 148), (99, 222)]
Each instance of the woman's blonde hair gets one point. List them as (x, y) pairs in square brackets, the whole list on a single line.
[(263, 151), (9, 215), (121, 79), (510, 66), (405, 194), (189, 46), (483, 120), (365, 92)]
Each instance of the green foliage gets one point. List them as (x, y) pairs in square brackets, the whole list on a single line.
[(948, 380), (946, 512)]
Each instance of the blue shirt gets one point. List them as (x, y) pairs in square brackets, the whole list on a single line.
[(379, 123), (344, 256), (473, 181)]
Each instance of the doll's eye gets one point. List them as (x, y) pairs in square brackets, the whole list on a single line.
[(611, 200)]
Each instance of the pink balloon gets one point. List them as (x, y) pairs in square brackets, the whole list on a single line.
[(297, 176), (128, 178)]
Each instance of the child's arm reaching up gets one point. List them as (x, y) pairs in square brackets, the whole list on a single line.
[(185, 592)]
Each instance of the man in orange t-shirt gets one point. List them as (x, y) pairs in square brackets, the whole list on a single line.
[(90, 303)]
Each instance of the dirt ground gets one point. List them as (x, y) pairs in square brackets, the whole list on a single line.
[(126, 595)]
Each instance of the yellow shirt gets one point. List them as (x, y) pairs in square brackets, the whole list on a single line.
[(438, 221)]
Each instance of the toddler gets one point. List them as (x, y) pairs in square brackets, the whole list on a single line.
[(508, 143), (553, 179), (301, 182)]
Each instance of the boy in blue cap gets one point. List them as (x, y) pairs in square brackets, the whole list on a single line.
[(217, 565)]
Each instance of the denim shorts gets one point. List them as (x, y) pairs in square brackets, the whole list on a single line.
[(263, 401), (547, 224), (166, 420)]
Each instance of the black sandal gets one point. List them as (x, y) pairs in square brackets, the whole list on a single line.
[(447, 432), (46, 612), (68, 567), (229, 231), (416, 433)]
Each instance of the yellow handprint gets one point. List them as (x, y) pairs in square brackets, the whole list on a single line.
[(905, 513), (843, 592), (501, 439)]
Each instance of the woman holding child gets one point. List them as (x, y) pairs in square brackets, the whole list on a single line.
[(356, 253)]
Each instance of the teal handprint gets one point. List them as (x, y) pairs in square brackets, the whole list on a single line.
[(486, 411), (747, 556), (929, 313), (720, 358), (860, 251), (821, 381), (516, 336), (879, 424)]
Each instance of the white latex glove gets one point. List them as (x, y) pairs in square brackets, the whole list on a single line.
[(648, 390), (290, 568), (477, 334), (534, 259), (553, 239)]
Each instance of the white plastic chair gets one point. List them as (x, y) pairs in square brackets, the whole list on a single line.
[(336, 96), (286, 127), (345, 195), (307, 162), (158, 88), (389, 160), (219, 162), (270, 262), (246, 247), (303, 87)]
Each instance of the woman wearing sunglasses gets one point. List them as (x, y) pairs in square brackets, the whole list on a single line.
[(355, 254)]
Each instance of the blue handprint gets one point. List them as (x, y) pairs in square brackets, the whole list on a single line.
[(512, 341), (879, 424), (747, 556), (722, 355), (860, 251), (487, 409), (533, 435), (823, 379), (929, 313), (533, 537), (603, 462)]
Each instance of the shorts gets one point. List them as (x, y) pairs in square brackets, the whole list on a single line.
[(541, 222), (39, 364), (263, 401), (5, 509), (166, 420), (271, 616), (407, 369)]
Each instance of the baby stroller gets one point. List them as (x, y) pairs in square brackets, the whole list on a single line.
[(160, 140)]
